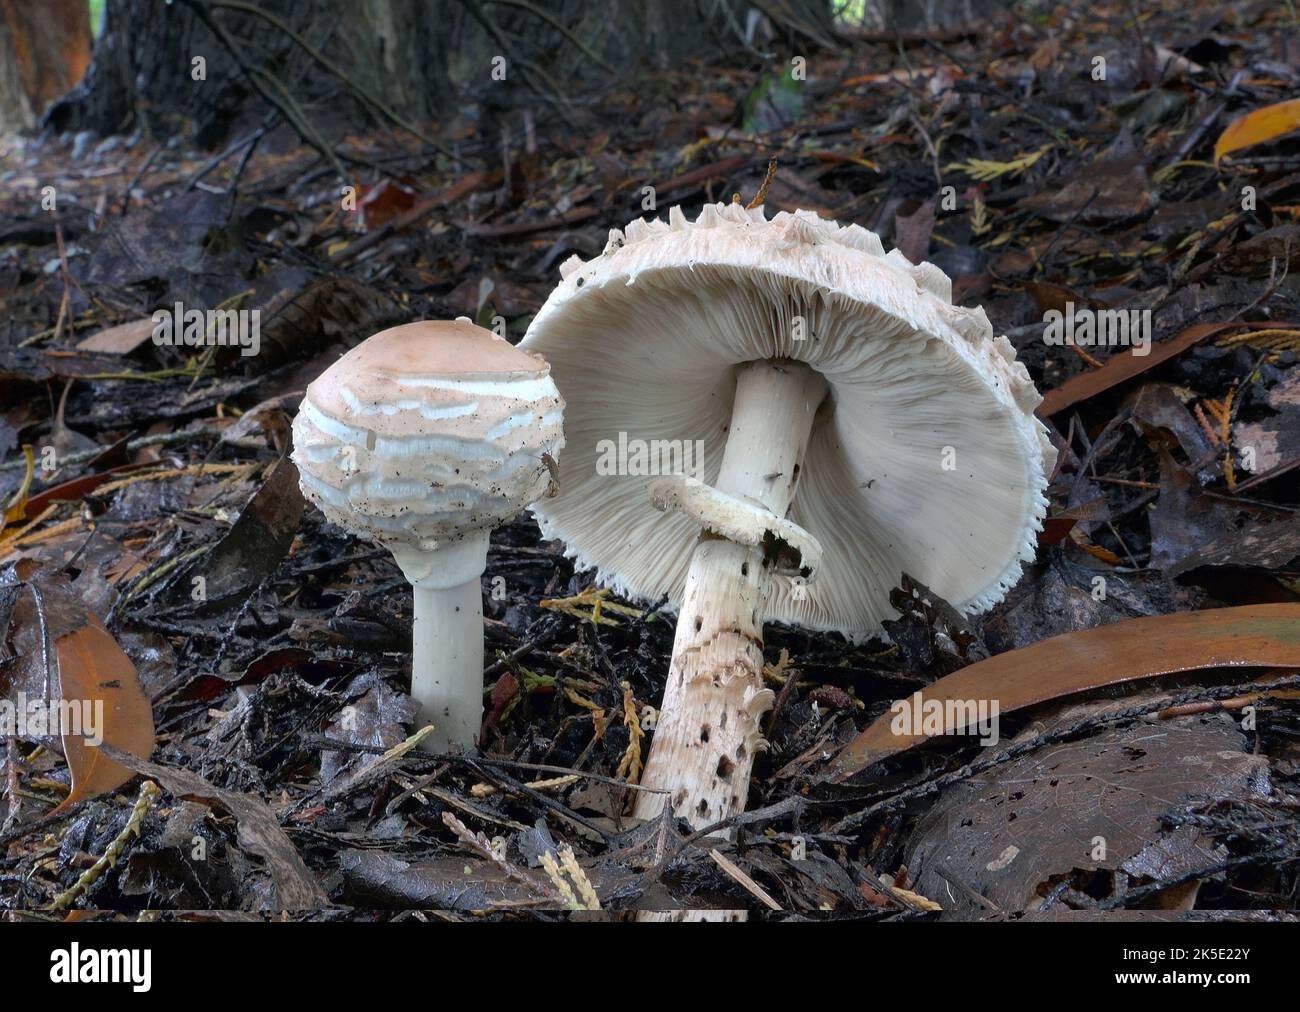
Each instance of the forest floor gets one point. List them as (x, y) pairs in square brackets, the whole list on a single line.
[(281, 727)]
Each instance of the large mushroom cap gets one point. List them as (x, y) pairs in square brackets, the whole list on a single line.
[(427, 431), (645, 340)]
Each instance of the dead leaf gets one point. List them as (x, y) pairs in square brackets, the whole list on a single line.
[(1190, 528), (1005, 839), (86, 665), (252, 548), (384, 202), (1253, 636), (1120, 368), (912, 231), (1107, 190), (1258, 126), (93, 667), (120, 340), (1274, 250)]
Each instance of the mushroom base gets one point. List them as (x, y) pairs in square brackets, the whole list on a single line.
[(708, 731)]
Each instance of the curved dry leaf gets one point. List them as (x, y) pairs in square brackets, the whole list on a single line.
[(1258, 126), (1253, 636), (92, 667)]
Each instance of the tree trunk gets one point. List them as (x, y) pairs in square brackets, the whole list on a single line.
[(418, 58), (44, 51), (156, 65)]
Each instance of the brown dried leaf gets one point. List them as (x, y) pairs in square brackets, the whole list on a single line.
[(119, 340), (1119, 368), (93, 667), (1253, 636)]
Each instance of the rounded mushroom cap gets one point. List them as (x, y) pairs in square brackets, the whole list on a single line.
[(927, 458), (426, 432)]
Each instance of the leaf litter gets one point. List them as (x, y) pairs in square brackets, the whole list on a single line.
[(278, 728)]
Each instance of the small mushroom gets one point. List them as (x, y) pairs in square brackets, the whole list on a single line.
[(805, 360), (425, 437)]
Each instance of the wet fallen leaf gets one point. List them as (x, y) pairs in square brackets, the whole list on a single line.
[(1258, 126), (78, 488), (1253, 636), (1192, 528), (1157, 408), (912, 231), (385, 201), (374, 716), (1102, 192), (1274, 250)]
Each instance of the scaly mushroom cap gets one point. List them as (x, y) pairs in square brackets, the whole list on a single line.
[(426, 432), (929, 459)]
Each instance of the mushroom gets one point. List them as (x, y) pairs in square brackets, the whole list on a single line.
[(854, 425), (424, 437)]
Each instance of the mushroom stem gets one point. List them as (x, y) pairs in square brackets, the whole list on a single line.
[(447, 647), (708, 729)]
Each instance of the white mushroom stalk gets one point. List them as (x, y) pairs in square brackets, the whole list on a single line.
[(425, 437), (853, 422), (715, 697)]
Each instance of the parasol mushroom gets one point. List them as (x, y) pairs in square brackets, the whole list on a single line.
[(424, 437), (855, 425)]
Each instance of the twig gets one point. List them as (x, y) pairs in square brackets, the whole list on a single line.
[(167, 439), (735, 872), (139, 175)]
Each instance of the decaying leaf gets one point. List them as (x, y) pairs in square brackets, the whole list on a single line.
[(120, 340), (1076, 816), (252, 548), (1252, 636)]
